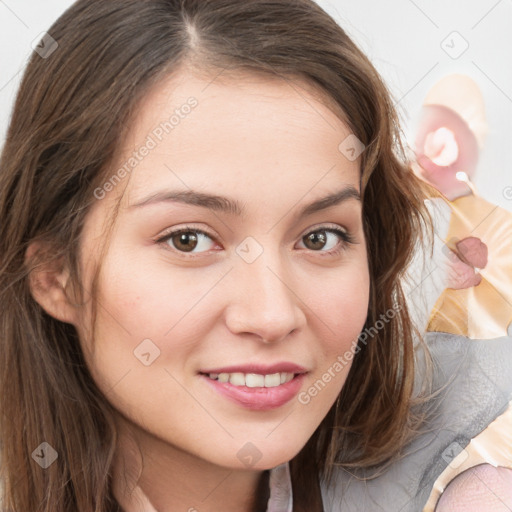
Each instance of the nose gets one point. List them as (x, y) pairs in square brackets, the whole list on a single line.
[(265, 302)]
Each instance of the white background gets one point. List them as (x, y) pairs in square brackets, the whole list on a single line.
[(401, 37)]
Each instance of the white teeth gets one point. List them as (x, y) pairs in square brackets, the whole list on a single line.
[(237, 379), (271, 381), (253, 380), (287, 377)]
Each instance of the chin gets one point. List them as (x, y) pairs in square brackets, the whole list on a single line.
[(260, 455)]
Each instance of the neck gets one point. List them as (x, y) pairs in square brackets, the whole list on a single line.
[(173, 480)]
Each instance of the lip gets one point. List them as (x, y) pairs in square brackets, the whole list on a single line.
[(260, 369), (258, 399)]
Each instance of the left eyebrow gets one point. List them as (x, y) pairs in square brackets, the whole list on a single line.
[(229, 206), (334, 199)]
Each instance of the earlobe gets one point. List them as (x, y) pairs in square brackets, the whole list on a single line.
[(48, 282)]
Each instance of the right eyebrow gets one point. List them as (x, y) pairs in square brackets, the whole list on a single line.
[(211, 201)]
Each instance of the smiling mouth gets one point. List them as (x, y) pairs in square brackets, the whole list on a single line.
[(252, 380), (257, 391)]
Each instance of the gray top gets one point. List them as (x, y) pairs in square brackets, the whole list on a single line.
[(477, 380)]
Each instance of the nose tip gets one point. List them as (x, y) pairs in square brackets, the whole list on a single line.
[(265, 305)]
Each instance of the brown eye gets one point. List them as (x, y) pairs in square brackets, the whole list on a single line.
[(327, 241), (185, 241), (315, 240), (188, 240)]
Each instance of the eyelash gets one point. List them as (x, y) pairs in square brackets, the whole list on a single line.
[(345, 236)]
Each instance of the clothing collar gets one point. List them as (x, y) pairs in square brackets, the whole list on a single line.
[(280, 484), (281, 496)]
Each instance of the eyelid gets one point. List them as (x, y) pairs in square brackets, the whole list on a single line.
[(185, 229), (325, 227)]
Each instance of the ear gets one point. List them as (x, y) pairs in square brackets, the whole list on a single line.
[(48, 284)]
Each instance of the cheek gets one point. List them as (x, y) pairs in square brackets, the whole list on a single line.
[(150, 326), (341, 303), (148, 299), (339, 309), (146, 314)]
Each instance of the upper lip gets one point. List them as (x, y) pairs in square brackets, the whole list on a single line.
[(260, 369)]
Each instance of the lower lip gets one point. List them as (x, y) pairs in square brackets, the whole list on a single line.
[(259, 399)]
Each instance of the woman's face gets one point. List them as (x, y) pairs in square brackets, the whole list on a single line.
[(265, 285)]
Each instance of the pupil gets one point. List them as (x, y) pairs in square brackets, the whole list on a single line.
[(318, 239), (186, 241)]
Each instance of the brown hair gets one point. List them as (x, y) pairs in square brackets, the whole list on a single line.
[(69, 118)]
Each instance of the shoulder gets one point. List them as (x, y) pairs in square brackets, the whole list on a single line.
[(483, 488)]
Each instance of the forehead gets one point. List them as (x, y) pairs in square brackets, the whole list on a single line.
[(233, 132)]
